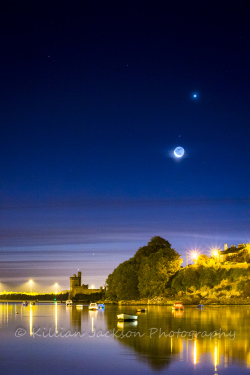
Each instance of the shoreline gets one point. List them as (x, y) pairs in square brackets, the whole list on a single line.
[(184, 301), (139, 303)]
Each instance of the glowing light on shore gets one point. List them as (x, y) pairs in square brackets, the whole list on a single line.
[(194, 254), (215, 253)]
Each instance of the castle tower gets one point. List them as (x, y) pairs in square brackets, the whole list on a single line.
[(225, 246), (75, 281), (80, 278)]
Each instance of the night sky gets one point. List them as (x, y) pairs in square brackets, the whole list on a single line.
[(95, 97)]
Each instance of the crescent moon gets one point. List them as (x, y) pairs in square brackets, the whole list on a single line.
[(179, 152)]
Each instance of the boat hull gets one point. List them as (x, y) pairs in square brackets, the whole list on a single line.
[(93, 306), (127, 317)]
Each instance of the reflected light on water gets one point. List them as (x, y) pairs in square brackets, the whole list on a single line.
[(215, 358), (219, 352), (195, 353), (5, 315), (31, 320), (56, 318), (248, 360)]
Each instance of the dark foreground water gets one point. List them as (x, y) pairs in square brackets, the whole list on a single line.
[(54, 339)]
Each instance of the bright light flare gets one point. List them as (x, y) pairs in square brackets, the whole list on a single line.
[(194, 255)]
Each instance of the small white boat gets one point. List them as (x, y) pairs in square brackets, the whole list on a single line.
[(69, 302), (127, 317), (93, 306)]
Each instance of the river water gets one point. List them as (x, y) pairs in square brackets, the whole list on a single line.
[(55, 339)]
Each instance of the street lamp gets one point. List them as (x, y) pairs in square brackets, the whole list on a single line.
[(216, 254), (194, 256)]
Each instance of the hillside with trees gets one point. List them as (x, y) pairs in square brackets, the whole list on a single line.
[(155, 271), (147, 274)]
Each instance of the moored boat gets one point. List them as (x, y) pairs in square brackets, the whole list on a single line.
[(93, 306), (32, 303), (127, 317), (141, 310), (69, 302), (101, 305), (178, 306), (25, 303), (199, 306)]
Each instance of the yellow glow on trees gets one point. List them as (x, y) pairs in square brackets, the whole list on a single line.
[(194, 255)]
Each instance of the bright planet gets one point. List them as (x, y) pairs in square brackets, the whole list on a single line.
[(179, 152)]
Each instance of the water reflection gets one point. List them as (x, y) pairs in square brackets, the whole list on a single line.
[(75, 319), (125, 326), (163, 335), (31, 320), (157, 339), (195, 352), (56, 330), (216, 357)]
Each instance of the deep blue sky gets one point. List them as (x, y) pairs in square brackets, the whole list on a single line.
[(95, 96)]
